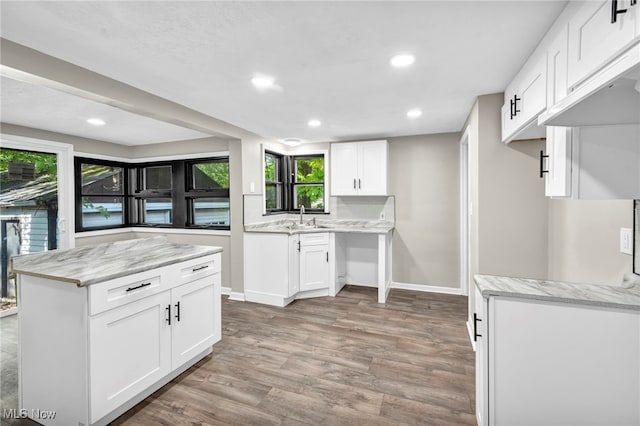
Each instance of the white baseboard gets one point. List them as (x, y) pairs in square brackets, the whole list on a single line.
[(427, 288), (267, 298), (233, 295)]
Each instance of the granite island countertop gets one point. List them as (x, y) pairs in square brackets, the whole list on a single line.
[(560, 291), (88, 265), (290, 226)]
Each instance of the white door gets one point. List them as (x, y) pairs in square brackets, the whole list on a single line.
[(193, 319), (594, 39), (314, 267), (372, 168), (344, 173), (129, 350)]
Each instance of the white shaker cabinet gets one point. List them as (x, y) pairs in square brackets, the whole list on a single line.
[(525, 99), (359, 168), (130, 349), (597, 34), (596, 162), (314, 261), (551, 363)]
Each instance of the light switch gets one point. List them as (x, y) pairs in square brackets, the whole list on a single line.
[(626, 241), (252, 187)]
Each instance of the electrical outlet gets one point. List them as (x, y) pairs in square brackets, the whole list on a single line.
[(626, 241)]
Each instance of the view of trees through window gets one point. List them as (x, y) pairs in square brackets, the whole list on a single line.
[(309, 183), (293, 181)]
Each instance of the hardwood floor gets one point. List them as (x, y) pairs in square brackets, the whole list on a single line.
[(342, 360)]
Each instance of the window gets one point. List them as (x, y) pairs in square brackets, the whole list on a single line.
[(208, 193), (178, 194), (308, 184), (100, 195), (274, 181), (294, 181)]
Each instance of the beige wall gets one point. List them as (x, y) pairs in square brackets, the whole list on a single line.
[(584, 240), (424, 177), (509, 210)]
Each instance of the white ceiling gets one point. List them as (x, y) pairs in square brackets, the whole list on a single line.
[(43, 108), (330, 59)]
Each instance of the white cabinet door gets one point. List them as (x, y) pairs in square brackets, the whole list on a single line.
[(193, 319), (129, 350), (359, 168), (314, 267), (372, 168), (344, 168), (594, 40), (525, 99), (294, 265), (532, 90), (562, 364), (558, 164), (480, 319), (557, 67)]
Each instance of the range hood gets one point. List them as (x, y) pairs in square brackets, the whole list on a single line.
[(611, 96)]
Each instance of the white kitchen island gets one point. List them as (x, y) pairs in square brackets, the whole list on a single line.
[(102, 327)]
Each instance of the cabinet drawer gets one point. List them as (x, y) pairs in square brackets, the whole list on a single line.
[(314, 239), (119, 291), (199, 268)]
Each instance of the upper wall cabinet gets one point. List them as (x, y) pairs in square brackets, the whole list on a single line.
[(525, 99), (592, 163), (598, 31), (359, 168)]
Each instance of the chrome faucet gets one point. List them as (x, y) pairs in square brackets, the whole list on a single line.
[(301, 213)]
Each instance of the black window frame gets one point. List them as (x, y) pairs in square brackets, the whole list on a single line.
[(288, 182), (281, 174), (181, 194)]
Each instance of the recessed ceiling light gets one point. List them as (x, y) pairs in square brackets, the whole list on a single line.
[(262, 81), (314, 123), (292, 141), (96, 121), (403, 60), (414, 113)]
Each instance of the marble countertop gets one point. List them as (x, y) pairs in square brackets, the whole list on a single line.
[(559, 291), (289, 226), (93, 264)]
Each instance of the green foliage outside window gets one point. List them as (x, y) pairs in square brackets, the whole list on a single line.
[(46, 165), (310, 171)]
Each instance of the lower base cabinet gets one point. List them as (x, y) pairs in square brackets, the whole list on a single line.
[(279, 268), (547, 363), (91, 353)]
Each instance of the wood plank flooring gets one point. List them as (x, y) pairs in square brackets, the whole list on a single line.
[(343, 360), (333, 361)]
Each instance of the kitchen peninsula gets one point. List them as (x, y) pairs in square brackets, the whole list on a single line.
[(103, 327), (555, 352)]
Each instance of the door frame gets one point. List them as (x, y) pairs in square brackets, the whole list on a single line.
[(64, 153), (464, 213)]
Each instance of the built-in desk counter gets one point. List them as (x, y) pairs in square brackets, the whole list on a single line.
[(283, 261)]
